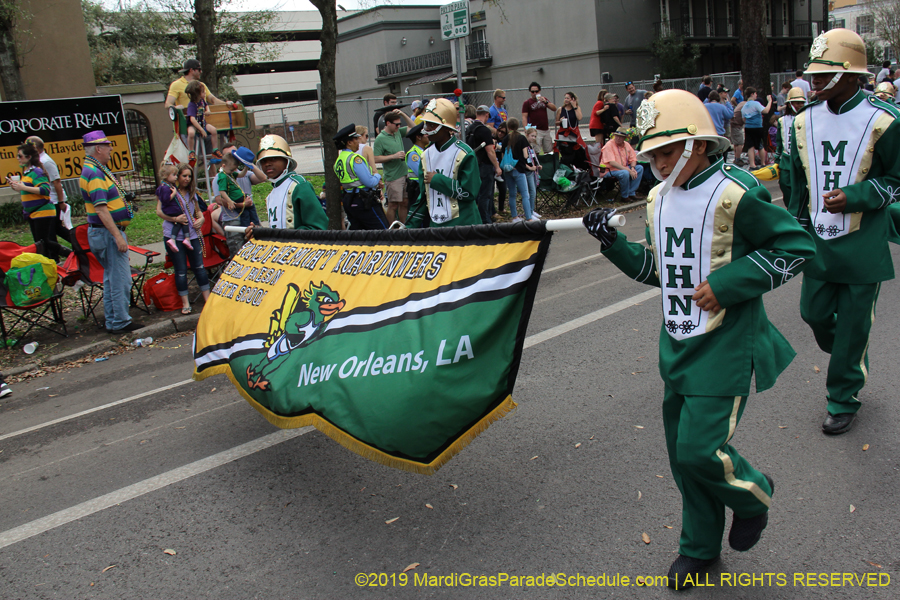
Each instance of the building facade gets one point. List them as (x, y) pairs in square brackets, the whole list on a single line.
[(580, 42)]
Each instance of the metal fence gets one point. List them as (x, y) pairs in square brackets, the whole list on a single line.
[(298, 123)]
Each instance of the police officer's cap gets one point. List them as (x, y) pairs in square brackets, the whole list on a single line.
[(415, 131), (347, 133)]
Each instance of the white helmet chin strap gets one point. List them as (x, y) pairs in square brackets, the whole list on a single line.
[(682, 160), (833, 82)]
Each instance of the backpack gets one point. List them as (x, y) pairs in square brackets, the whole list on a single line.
[(470, 137)]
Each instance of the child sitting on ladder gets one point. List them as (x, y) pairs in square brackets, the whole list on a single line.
[(170, 206), (196, 115)]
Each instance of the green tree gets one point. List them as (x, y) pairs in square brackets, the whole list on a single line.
[(754, 46), (11, 15), (674, 58), (886, 14), (220, 36), (328, 107), (130, 44)]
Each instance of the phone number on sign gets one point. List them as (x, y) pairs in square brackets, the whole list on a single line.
[(70, 166)]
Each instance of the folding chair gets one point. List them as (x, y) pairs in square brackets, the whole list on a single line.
[(548, 197), (46, 314), (215, 252), (90, 271)]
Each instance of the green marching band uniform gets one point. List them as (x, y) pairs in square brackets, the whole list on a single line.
[(449, 199), (783, 154), (720, 227), (292, 203), (856, 150)]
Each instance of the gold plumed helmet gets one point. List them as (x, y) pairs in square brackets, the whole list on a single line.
[(440, 111), (796, 95), (674, 115), (277, 146), (837, 51), (886, 90)]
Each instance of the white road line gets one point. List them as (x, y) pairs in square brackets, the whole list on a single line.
[(553, 332), (93, 410), (152, 484), (578, 289), (572, 263), (79, 511)]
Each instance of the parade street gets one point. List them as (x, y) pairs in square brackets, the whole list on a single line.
[(125, 479)]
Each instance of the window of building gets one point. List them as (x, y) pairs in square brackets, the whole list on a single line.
[(865, 24), (837, 24), (480, 36)]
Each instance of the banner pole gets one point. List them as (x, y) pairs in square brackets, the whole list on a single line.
[(551, 224)]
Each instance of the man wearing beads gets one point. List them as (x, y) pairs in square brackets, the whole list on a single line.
[(108, 215)]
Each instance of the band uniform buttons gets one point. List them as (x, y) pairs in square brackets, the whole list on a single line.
[(800, 146), (727, 168), (723, 228), (865, 169), (720, 252), (871, 148), (726, 203)]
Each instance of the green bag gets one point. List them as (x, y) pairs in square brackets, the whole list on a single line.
[(28, 285)]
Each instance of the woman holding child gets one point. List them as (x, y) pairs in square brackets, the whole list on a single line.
[(177, 206)]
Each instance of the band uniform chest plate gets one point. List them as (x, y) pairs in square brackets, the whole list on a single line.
[(819, 46)]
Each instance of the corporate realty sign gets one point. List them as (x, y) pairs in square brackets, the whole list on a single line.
[(61, 123)]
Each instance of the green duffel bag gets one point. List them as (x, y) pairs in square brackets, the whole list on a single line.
[(28, 285)]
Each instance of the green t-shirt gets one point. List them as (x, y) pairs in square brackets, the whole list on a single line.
[(385, 145)]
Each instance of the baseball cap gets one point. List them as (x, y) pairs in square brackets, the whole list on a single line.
[(483, 109), (416, 104), (191, 63)]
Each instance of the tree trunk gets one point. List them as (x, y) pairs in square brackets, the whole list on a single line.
[(754, 47), (10, 77), (328, 125), (204, 22)]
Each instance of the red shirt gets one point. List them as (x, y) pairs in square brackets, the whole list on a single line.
[(537, 114), (595, 122)]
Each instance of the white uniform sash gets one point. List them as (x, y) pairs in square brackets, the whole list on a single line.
[(836, 146), (683, 231), (281, 213), (441, 207), (786, 122)]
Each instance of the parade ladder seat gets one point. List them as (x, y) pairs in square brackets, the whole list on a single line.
[(215, 252), (46, 314), (90, 272)]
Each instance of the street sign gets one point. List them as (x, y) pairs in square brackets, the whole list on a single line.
[(455, 20)]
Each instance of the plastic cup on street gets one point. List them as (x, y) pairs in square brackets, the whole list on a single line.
[(30, 348), (143, 342)]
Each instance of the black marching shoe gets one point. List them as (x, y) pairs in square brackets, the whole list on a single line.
[(133, 326), (837, 424), (746, 532), (687, 571)]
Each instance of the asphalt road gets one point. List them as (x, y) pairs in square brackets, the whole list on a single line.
[(89, 504)]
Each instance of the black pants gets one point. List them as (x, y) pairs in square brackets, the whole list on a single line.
[(485, 199), (362, 216), (412, 190), (501, 196), (42, 231)]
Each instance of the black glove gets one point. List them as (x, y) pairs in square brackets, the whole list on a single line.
[(597, 224)]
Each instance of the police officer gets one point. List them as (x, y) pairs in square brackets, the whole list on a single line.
[(414, 161), (359, 197)]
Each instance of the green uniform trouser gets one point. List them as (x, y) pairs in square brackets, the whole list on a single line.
[(841, 317), (709, 473)]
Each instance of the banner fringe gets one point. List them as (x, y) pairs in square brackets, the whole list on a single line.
[(357, 446)]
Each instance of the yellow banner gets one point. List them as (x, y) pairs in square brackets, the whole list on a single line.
[(69, 158)]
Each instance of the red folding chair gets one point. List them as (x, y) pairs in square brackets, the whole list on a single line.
[(90, 271), (215, 252), (46, 314)]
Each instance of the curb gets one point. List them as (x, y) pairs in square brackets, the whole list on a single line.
[(161, 329), (77, 353)]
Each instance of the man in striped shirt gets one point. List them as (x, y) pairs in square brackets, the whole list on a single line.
[(108, 216)]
